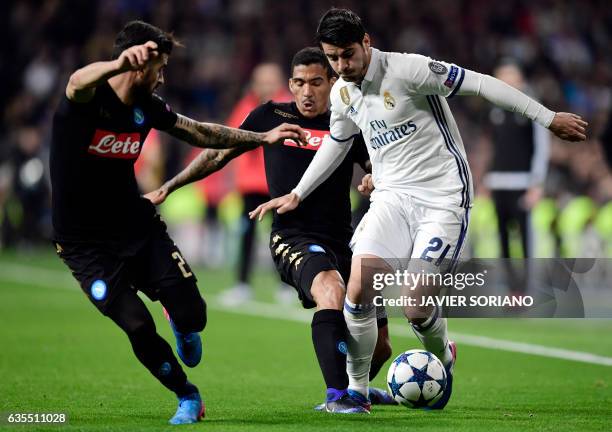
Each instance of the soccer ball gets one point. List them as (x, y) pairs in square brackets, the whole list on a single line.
[(416, 379)]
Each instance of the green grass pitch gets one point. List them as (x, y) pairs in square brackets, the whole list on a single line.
[(58, 354)]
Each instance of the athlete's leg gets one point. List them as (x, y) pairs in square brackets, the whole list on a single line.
[(329, 332), (160, 271), (185, 305), (380, 239), (130, 313), (247, 239), (439, 240), (360, 316), (382, 350)]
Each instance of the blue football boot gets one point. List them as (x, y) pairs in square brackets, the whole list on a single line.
[(363, 401), (379, 396), (340, 402), (188, 345), (190, 410)]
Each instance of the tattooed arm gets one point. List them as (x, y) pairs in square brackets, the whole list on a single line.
[(215, 136), (206, 163)]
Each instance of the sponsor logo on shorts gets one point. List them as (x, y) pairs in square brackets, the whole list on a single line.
[(98, 290), (342, 347), (293, 256), (316, 249), (313, 137), (437, 68), (115, 145), (297, 262), (281, 247), (139, 117)]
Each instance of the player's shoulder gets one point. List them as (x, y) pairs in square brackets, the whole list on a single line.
[(269, 115), (340, 93), (285, 111), (398, 63)]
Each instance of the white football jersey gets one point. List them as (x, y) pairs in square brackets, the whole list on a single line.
[(411, 135)]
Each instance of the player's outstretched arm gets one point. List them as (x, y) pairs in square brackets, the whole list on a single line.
[(206, 163), (83, 82), (210, 135), (328, 158), (566, 126)]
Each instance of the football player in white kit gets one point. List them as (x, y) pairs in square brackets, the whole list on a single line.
[(423, 187)]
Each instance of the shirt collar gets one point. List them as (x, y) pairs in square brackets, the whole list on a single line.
[(373, 66)]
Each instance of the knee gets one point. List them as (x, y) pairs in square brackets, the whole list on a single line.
[(137, 327), (198, 318), (191, 317), (328, 290)]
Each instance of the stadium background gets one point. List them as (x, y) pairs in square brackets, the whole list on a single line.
[(520, 374), (564, 47)]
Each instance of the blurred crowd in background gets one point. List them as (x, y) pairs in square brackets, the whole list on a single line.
[(563, 47)]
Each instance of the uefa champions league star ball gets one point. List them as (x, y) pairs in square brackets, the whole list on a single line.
[(416, 379)]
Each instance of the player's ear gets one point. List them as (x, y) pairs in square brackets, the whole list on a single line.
[(366, 42), (333, 80), (292, 88)]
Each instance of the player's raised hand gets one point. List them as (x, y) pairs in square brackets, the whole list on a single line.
[(286, 131), (282, 205), (568, 126), (137, 57), (158, 196), (367, 185)]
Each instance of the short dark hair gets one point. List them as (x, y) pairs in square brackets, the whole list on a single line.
[(312, 55), (340, 27), (138, 33)]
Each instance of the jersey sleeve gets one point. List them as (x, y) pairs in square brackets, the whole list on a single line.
[(341, 128), (162, 116), (427, 76)]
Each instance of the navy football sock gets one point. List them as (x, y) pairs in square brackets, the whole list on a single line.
[(329, 338)]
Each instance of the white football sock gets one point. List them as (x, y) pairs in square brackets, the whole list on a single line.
[(361, 323), (434, 336)]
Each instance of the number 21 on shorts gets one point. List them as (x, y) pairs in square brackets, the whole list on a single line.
[(435, 244)]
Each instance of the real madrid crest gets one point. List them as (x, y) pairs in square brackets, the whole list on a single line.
[(344, 94), (389, 101)]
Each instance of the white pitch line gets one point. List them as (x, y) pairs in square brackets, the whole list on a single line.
[(62, 280)]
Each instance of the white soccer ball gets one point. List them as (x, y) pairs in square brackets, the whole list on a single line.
[(416, 379)]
